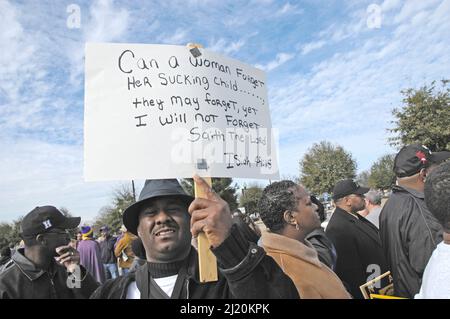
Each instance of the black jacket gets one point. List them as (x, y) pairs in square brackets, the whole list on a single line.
[(409, 234), (360, 256), (22, 280), (324, 247), (4, 261), (107, 251), (245, 271)]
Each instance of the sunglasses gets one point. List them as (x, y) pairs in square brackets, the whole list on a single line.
[(57, 232)]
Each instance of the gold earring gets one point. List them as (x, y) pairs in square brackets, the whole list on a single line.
[(297, 226)]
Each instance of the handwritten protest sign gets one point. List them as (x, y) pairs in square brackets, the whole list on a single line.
[(156, 111)]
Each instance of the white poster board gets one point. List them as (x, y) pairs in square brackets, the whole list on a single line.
[(156, 111)]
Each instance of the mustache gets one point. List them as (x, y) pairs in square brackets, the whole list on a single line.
[(166, 225)]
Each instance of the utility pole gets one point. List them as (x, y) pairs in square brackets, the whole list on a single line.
[(134, 192)]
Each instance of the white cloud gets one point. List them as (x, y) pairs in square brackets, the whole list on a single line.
[(24, 87), (180, 36), (218, 46), (344, 94), (235, 46), (389, 5), (365, 147), (225, 47), (34, 100), (36, 173), (259, 12), (410, 8), (17, 54), (279, 60), (350, 28), (289, 9), (106, 23), (311, 46), (351, 94)]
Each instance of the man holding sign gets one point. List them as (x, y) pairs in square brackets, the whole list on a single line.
[(165, 218), (207, 114)]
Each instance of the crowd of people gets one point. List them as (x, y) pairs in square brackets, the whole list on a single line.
[(292, 256)]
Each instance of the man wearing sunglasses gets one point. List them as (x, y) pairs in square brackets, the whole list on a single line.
[(47, 268)]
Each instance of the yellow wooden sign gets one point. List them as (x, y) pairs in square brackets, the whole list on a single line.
[(207, 260)]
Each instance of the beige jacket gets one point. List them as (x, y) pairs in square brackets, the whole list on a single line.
[(313, 279)]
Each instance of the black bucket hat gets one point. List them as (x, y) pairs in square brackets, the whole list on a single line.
[(153, 188)]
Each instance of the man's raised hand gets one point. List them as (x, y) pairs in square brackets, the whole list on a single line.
[(210, 215)]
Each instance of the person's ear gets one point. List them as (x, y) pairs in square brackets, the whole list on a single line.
[(346, 200), (40, 239), (423, 174), (289, 217)]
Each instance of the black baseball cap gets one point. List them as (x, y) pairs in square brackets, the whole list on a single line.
[(440, 157), (153, 188), (44, 218), (347, 187), (412, 158)]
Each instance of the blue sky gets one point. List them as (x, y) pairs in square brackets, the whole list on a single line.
[(334, 73)]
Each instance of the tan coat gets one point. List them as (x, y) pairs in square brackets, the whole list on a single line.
[(123, 247), (313, 279)]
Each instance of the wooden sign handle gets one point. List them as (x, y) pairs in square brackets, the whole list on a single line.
[(206, 259)]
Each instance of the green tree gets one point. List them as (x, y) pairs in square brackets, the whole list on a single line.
[(325, 164), (289, 177), (222, 186), (10, 233), (381, 173), (111, 215), (250, 198), (5, 231), (14, 236), (363, 178), (67, 213), (424, 118)]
